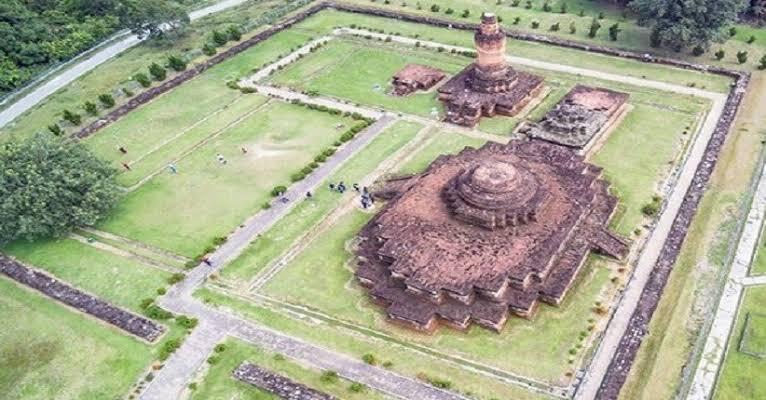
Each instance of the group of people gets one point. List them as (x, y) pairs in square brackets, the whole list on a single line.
[(366, 197), (172, 168)]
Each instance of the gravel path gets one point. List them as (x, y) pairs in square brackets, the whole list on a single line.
[(81, 68), (713, 353)]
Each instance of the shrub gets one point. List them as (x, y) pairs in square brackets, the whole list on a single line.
[(106, 100), (555, 27), (220, 348), (232, 85), (142, 79), (156, 312), (298, 176), (528, 4), (328, 151), (234, 33), (547, 6), (698, 51), (90, 108), (279, 357), (720, 54), (219, 240), (219, 38), (72, 117), (762, 63), (581, 13), (516, 20), (449, 11), (329, 377), (751, 40), (601, 15), (145, 303), (169, 348), (563, 8), (594, 27), (535, 24), (465, 14), (320, 158), (193, 386), (742, 57), (655, 40), (435, 8), (278, 190), (186, 322), (650, 209), (127, 92), (208, 49), (55, 129), (175, 278), (176, 63), (614, 30), (161, 291), (266, 205), (357, 387), (733, 31), (515, 3), (212, 360), (248, 90), (572, 27), (369, 359), (158, 72)]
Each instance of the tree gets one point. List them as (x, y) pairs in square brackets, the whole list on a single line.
[(742, 57), (681, 23), (158, 72), (153, 18), (90, 108), (720, 54), (72, 117), (106, 100), (762, 63), (176, 63), (594, 27), (614, 30), (234, 33), (219, 38), (49, 185), (142, 79)]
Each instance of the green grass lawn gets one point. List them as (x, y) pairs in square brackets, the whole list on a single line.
[(353, 344), (48, 351), (218, 383), (440, 143), (741, 375), (276, 240), (759, 260), (537, 348), (183, 212), (121, 281)]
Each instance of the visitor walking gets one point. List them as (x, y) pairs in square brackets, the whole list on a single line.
[(356, 187), (172, 168), (244, 150), (221, 159), (309, 195), (126, 166), (123, 150)]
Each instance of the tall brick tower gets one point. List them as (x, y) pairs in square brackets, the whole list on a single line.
[(492, 73)]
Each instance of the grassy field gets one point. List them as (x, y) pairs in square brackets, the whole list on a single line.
[(219, 384), (183, 212), (759, 261), (700, 269), (118, 280), (631, 37), (740, 375), (443, 142), (354, 344), (306, 214), (48, 351)]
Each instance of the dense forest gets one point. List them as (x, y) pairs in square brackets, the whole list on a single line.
[(39, 33)]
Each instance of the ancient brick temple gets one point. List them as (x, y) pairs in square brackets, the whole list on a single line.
[(414, 77), (580, 118), (485, 232), (489, 86)]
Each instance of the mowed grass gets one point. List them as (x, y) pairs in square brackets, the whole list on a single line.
[(218, 383), (351, 343), (758, 267), (48, 351), (276, 240), (119, 280), (183, 212), (441, 143), (740, 377), (537, 348)]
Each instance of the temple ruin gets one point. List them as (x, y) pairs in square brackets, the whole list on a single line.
[(580, 118), (489, 86), (414, 77), (485, 232)]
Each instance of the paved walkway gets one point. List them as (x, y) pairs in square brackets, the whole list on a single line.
[(99, 57), (713, 353)]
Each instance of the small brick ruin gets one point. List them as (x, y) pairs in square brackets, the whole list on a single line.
[(580, 118), (485, 232), (278, 385), (414, 77), (55, 289), (489, 86)]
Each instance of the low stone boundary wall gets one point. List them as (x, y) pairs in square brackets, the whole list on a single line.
[(639, 322), (51, 287), (283, 387)]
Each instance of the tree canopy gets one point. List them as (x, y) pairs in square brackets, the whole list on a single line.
[(38, 33), (48, 186), (681, 23)]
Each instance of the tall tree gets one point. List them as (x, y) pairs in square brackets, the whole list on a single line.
[(153, 17), (48, 186), (681, 23)]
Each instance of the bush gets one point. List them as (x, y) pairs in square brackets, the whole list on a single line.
[(127, 92), (563, 8), (320, 158), (528, 4), (169, 348), (234, 33), (329, 377), (762, 63), (369, 359), (515, 3), (90, 108), (154, 311), (106, 100), (733, 31), (535, 24), (161, 291), (547, 6), (614, 30), (209, 50), (449, 11), (720, 54), (186, 322), (158, 72), (516, 20), (328, 151), (357, 387), (219, 38), (435, 8), (751, 40), (466, 14), (572, 27), (142, 79), (219, 240), (742, 57), (220, 348), (298, 176), (175, 278), (248, 90), (278, 190), (55, 129), (212, 360), (145, 303), (176, 63), (555, 27), (698, 51), (650, 209), (594, 27)]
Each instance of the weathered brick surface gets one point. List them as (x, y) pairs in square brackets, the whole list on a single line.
[(51, 287), (277, 384)]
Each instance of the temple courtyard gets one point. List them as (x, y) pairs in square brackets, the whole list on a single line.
[(232, 216)]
